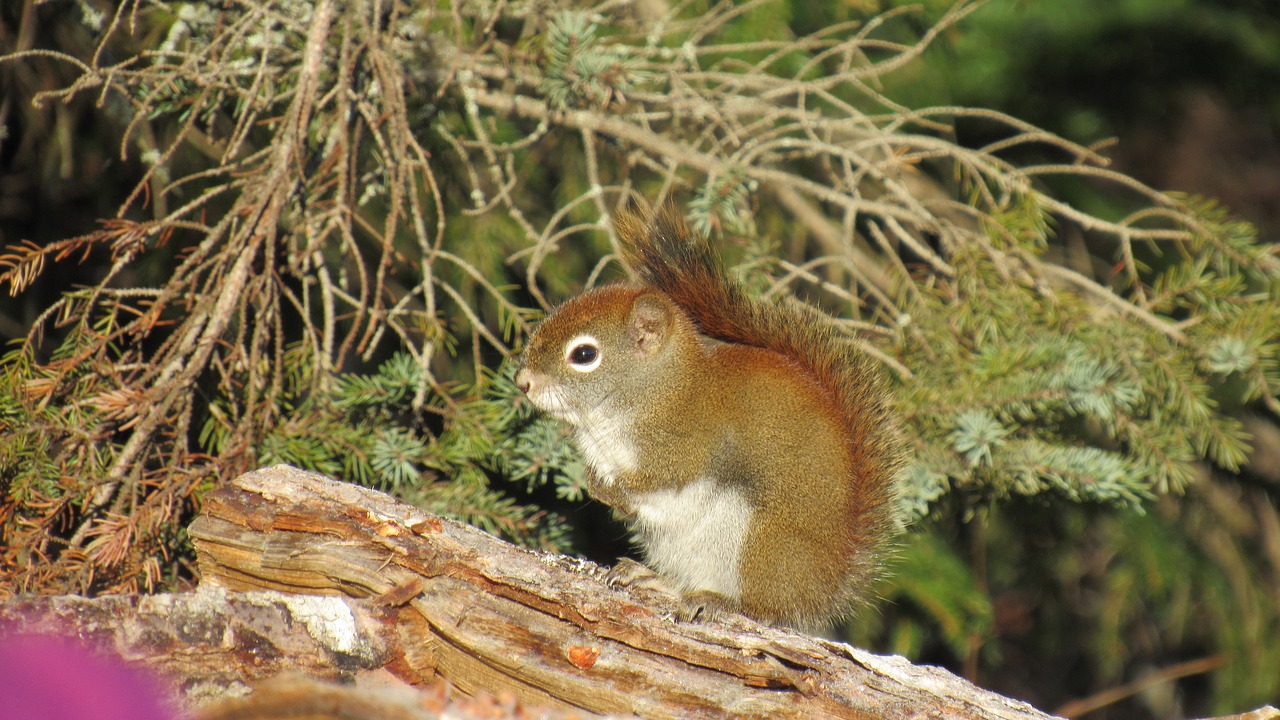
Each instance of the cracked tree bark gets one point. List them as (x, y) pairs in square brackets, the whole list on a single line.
[(321, 599), (462, 605)]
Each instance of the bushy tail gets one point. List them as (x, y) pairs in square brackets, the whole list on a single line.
[(666, 254)]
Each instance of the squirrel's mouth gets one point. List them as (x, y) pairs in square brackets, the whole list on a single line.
[(552, 403), (541, 391)]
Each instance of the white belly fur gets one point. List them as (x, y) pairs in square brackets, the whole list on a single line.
[(694, 535)]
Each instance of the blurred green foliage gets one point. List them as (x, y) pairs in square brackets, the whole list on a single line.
[(1092, 69)]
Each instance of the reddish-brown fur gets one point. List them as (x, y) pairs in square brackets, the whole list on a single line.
[(699, 383), (666, 255)]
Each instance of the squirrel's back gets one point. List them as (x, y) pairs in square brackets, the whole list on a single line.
[(670, 257)]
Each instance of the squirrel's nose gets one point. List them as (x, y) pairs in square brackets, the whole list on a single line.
[(524, 380)]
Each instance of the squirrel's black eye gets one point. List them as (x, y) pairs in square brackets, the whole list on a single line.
[(584, 354)]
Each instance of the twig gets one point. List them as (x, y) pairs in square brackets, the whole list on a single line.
[(1097, 701), (1112, 300)]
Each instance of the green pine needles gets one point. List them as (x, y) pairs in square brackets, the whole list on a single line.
[(582, 71), (1041, 389), (454, 457)]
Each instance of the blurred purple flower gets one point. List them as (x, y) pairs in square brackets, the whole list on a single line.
[(45, 677)]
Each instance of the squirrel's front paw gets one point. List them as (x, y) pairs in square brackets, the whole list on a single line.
[(704, 605), (633, 574), (691, 606)]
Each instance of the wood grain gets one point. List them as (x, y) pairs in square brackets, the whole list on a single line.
[(496, 618)]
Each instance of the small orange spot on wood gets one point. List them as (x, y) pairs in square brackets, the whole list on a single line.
[(764, 682), (400, 594), (427, 526), (583, 657), (632, 612)]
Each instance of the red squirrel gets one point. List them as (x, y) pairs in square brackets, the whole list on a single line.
[(750, 447)]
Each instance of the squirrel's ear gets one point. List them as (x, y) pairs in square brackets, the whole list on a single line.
[(648, 324)]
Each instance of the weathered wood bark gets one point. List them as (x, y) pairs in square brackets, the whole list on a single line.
[(251, 656), (442, 606), (485, 615), (213, 643)]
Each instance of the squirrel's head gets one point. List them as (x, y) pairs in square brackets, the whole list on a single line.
[(606, 347)]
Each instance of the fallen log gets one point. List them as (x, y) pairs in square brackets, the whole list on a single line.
[(327, 601), (463, 606)]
